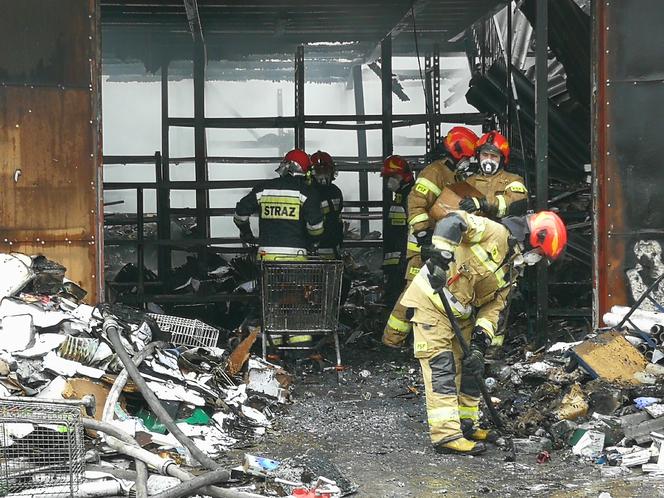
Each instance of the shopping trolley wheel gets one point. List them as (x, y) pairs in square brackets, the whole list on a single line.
[(341, 371)]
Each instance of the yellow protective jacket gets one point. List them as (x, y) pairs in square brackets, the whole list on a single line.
[(479, 279), (428, 186), (505, 192)]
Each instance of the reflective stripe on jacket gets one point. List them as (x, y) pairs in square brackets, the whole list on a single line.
[(505, 192), (396, 230), (289, 212), (428, 186), (477, 278)]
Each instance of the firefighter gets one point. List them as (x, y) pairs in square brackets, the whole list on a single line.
[(505, 194), (290, 218), (474, 262), (400, 180), (323, 172), (459, 145)]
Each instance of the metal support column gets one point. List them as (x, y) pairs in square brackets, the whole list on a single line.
[(508, 66), (386, 86), (299, 97), (437, 127), (280, 131), (140, 246), (432, 99), (362, 155), (162, 175), (429, 127), (200, 149), (541, 153)]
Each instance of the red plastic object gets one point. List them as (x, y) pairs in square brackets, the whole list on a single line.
[(543, 457)]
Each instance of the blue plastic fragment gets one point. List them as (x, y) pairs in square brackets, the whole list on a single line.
[(644, 401)]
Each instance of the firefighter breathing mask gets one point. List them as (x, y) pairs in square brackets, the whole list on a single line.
[(529, 258), (489, 166), (393, 183), (463, 165), (322, 178)]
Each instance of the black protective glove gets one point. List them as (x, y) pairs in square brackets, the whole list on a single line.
[(441, 259), (424, 238), (472, 204), (246, 237), (479, 339), (473, 362), (438, 264)]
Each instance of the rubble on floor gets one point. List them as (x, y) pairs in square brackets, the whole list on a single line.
[(156, 389), (600, 397)]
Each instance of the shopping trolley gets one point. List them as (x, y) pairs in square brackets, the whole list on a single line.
[(300, 298)]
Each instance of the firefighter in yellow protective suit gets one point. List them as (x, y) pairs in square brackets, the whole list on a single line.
[(473, 262), (504, 193), (459, 147)]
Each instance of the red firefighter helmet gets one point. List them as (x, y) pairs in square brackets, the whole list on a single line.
[(548, 232), (296, 162), (460, 142), (323, 167), (495, 142), (397, 166)]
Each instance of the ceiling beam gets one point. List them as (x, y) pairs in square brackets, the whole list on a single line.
[(404, 23), (194, 19)]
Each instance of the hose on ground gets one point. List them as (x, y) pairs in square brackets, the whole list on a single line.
[(126, 474), (124, 438), (123, 443), (121, 381), (112, 330), (187, 488)]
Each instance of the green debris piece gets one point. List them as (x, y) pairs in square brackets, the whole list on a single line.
[(151, 421), (576, 435), (197, 417)]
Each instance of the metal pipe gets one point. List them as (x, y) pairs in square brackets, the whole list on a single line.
[(164, 176), (112, 329), (387, 128), (299, 98), (362, 155)]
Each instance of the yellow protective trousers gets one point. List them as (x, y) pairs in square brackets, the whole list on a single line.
[(398, 324), (450, 396)]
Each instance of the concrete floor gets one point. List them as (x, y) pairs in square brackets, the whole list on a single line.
[(374, 430)]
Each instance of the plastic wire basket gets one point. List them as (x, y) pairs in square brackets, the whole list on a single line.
[(187, 332), (41, 448)]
